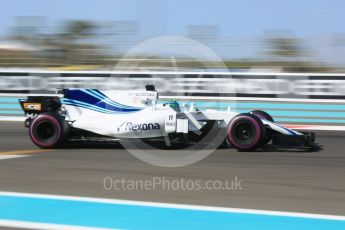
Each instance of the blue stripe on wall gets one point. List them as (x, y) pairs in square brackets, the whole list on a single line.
[(10, 106), (8, 100), (308, 120), (11, 112)]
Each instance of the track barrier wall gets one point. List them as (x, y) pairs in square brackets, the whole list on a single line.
[(291, 98)]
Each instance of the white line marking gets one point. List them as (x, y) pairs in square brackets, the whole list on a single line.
[(34, 71), (45, 226), (21, 95), (5, 157), (12, 119), (202, 98), (174, 206)]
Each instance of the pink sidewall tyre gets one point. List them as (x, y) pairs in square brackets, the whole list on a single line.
[(245, 132), (47, 131)]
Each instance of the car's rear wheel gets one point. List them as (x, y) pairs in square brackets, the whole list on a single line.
[(48, 131), (263, 115), (245, 132)]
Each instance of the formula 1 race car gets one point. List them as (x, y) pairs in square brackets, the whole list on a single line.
[(89, 114)]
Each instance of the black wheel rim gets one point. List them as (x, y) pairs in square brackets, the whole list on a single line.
[(244, 133), (45, 131)]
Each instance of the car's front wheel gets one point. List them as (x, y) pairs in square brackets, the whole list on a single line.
[(47, 131), (245, 132)]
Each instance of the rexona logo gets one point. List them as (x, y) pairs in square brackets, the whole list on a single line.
[(130, 126)]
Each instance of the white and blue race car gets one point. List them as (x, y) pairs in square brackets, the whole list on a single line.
[(90, 114)]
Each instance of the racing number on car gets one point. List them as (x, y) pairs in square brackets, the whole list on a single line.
[(170, 123)]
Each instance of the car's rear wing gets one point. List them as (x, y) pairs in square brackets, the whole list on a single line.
[(40, 104)]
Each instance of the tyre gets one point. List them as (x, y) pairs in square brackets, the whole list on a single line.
[(263, 115), (245, 132), (48, 131)]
